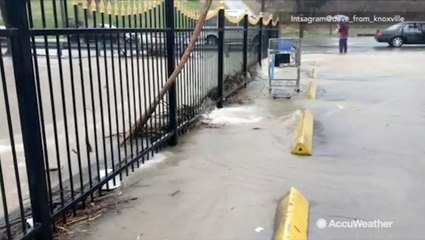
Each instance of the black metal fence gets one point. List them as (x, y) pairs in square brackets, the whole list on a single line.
[(76, 76)]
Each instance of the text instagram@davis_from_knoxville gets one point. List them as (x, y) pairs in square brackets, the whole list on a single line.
[(343, 18)]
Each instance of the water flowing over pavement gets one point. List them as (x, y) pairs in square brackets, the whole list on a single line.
[(224, 182)]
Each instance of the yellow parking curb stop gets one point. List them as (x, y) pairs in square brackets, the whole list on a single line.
[(291, 220), (311, 90), (304, 135)]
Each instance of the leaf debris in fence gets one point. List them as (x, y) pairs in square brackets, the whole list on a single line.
[(92, 211)]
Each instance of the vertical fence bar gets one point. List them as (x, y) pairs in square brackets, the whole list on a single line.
[(108, 98), (61, 92), (13, 147), (40, 104), (133, 82), (83, 96), (245, 46), (65, 23), (91, 94), (29, 116), (157, 80), (163, 65), (160, 65), (126, 97), (277, 29), (269, 35), (260, 40), (220, 65), (6, 219), (172, 93), (150, 51), (139, 88)]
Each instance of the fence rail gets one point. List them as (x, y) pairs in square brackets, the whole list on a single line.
[(76, 77)]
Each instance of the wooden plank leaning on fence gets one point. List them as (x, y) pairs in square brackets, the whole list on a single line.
[(172, 79)]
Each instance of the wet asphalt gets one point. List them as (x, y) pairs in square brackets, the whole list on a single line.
[(223, 180), (355, 45)]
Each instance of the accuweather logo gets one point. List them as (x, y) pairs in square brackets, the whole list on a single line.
[(322, 223)]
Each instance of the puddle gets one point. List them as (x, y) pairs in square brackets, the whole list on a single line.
[(234, 115)]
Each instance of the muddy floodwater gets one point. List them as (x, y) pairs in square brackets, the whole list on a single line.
[(224, 178)]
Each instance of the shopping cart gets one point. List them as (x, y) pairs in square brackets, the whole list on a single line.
[(284, 56)]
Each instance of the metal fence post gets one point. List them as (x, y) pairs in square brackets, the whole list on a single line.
[(172, 93), (277, 29), (260, 40), (29, 117), (270, 35), (245, 45), (220, 57)]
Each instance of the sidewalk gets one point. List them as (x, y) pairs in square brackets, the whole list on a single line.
[(224, 182)]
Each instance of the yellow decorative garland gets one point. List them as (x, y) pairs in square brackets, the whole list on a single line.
[(234, 19), (256, 20), (132, 7), (119, 7), (267, 21), (192, 14), (275, 22)]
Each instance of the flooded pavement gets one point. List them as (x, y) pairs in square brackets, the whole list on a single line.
[(355, 44), (224, 179), (73, 120)]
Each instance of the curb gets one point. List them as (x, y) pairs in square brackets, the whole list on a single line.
[(304, 140), (311, 90), (292, 214)]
